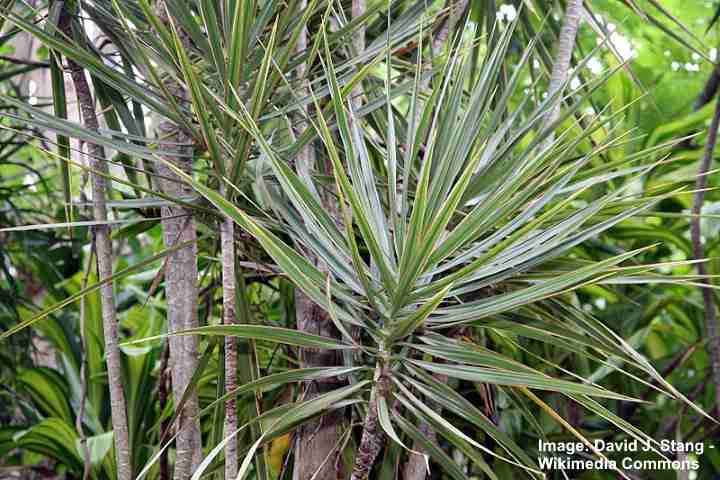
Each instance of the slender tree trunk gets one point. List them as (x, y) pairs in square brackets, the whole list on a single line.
[(181, 294), (163, 381), (373, 437), (438, 43), (709, 90), (708, 93), (317, 449), (103, 249), (561, 65), (317, 441), (181, 275), (415, 467), (712, 330), (371, 443), (440, 39), (357, 10), (227, 247)]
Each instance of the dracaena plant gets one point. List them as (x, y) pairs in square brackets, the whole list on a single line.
[(454, 220)]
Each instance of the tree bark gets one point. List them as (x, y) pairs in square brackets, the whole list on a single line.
[(316, 453), (438, 43), (373, 437), (371, 443), (103, 249), (456, 10), (415, 467), (708, 93), (712, 330), (227, 247), (163, 381), (561, 65), (178, 226), (358, 9), (709, 90), (181, 295)]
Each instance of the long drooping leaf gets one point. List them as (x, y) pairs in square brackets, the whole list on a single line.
[(514, 378), (258, 332)]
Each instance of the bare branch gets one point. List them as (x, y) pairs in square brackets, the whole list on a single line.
[(712, 330), (103, 248)]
